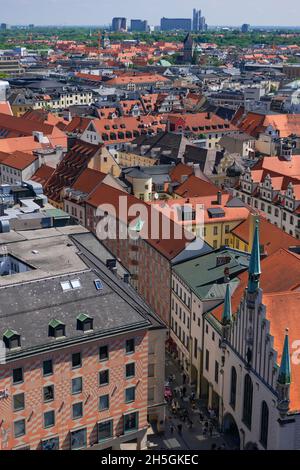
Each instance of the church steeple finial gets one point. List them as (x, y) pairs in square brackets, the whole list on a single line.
[(284, 376), (284, 379), (227, 312), (254, 265)]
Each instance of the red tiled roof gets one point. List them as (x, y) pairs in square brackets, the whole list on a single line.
[(194, 187), (284, 263), (271, 237), (5, 108), (69, 169), (279, 166), (89, 77), (78, 124), (201, 122), (18, 160), (169, 247), (282, 310), (181, 170), (43, 174), (88, 180), (141, 78), (254, 123)]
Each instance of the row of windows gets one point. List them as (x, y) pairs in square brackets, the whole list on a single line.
[(77, 408), (181, 294), (181, 313), (184, 338), (248, 404), (79, 437), (76, 386), (76, 361)]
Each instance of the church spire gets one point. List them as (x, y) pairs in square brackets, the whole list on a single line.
[(254, 266), (284, 376), (284, 379), (227, 313)]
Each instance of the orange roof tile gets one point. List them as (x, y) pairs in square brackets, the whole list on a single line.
[(282, 310), (43, 174), (271, 237), (18, 160), (169, 247), (194, 187), (5, 108), (88, 180)]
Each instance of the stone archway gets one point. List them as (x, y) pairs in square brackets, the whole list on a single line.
[(231, 431)]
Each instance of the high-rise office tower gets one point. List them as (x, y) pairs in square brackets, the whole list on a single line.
[(119, 24), (139, 25), (199, 23), (173, 24), (245, 28)]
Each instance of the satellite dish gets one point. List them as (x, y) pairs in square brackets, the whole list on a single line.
[(156, 196)]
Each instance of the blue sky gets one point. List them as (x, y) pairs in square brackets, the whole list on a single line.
[(229, 12)]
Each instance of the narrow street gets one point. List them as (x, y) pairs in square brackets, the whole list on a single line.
[(191, 437)]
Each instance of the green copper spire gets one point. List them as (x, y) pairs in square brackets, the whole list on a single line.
[(284, 376), (254, 266), (227, 313)]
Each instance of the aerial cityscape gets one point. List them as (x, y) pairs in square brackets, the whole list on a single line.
[(149, 229)]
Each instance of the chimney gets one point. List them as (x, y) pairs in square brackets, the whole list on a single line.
[(226, 276), (112, 265), (208, 116), (219, 198)]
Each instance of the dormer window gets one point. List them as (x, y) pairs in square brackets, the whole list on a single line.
[(12, 339), (84, 322), (57, 329)]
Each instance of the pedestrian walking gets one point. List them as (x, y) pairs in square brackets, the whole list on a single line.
[(171, 429), (210, 429), (184, 391), (183, 378), (179, 427)]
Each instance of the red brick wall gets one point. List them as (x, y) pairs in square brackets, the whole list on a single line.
[(63, 373), (153, 270)]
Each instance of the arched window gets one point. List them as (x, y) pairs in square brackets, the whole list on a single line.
[(264, 424), (248, 398), (233, 387)]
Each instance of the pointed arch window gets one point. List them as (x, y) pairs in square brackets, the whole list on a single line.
[(233, 387), (264, 424), (248, 400)]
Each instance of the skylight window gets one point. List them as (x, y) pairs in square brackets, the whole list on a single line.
[(66, 285), (76, 284), (98, 284)]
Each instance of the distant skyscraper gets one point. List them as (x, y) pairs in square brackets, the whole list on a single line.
[(245, 28), (172, 24), (199, 23), (139, 25), (119, 24), (3, 26)]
